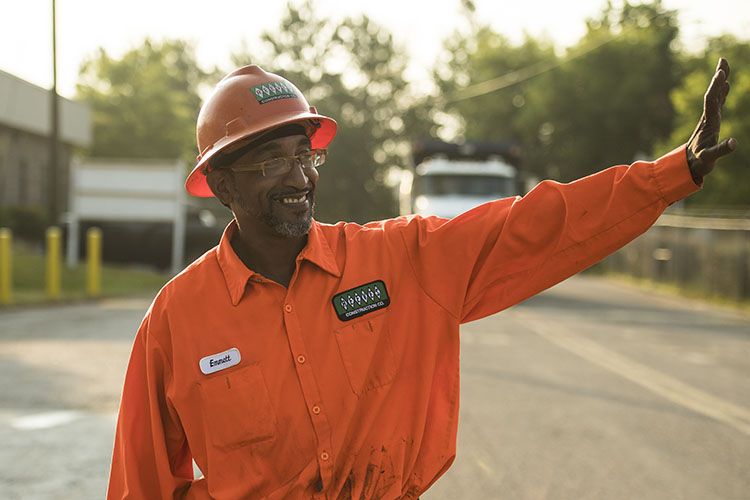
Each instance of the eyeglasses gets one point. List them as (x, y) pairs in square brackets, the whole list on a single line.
[(282, 165)]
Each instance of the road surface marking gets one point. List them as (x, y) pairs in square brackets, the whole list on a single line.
[(698, 358), (490, 339), (668, 387), (123, 304), (484, 466), (44, 420)]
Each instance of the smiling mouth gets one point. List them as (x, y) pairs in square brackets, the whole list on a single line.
[(294, 199)]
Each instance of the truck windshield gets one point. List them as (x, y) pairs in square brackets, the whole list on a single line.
[(472, 185)]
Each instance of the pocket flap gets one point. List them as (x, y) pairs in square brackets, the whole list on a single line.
[(366, 353), (237, 407)]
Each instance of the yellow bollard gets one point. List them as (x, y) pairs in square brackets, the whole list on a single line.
[(6, 267), (53, 263), (94, 262)]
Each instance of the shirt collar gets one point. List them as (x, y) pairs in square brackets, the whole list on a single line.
[(236, 274), (319, 252)]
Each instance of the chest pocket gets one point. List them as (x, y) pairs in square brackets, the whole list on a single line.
[(367, 353), (237, 407)]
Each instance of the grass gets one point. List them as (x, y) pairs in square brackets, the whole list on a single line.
[(117, 281), (694, 293)]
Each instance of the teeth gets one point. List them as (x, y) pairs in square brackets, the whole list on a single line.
[(299, 199)]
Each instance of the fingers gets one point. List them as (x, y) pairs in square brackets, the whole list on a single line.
[(709, 155), (713, 96), (723, 65), (718, 90), (703, 141)]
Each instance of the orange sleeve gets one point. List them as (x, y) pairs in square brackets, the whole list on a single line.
[(505, 251), (151, 458)]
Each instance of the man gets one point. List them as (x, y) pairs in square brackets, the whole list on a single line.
[(306, 360)]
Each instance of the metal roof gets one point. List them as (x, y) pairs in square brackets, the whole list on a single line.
[(25, 106), (440, 166)]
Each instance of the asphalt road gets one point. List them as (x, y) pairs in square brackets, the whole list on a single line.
[(589, 391)]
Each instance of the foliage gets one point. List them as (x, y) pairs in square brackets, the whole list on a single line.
[(615, 101), (25, 223), (117, 281), (511, 114), (605, 101), (622, 92), (145, 103)]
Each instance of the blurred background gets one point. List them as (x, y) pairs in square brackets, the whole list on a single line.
[(440, 107)]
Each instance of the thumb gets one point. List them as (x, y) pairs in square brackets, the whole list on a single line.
[(710, 155)]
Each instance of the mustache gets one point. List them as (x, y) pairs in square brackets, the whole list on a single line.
[(283, 194)]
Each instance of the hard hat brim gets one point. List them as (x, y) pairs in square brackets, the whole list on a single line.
[(324, 132)]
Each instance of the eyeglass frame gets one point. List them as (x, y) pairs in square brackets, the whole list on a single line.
[(259, 166)]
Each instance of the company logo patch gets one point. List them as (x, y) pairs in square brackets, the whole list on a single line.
[(361, 300), (220, 361), (273, 91)]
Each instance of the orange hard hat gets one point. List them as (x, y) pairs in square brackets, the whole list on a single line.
[(244, 105)]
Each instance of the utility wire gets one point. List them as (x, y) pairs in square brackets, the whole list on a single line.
[(523, 74)]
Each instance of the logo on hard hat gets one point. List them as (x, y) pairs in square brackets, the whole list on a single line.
[(273, 91)]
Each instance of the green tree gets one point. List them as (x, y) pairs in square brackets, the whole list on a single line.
[(605, 101), (145, 103), (352, 71), (613, 102), (504, 108), (729, 183)]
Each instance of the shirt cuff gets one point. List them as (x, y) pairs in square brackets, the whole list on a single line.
[(673, 177)]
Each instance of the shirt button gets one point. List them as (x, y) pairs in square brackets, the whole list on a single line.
[(324, 456), (316, 409), (288, 308), (301, 359)]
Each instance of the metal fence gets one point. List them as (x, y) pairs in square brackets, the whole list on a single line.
[(704, 253)]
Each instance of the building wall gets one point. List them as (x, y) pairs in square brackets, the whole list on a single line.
[(24, 160), (25, 124), (24, 106)]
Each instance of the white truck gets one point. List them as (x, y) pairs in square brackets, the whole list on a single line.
[(449, 179)]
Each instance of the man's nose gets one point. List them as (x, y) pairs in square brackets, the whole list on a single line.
[(297, 177)]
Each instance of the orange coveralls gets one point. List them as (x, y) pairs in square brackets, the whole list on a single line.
[(302, 402)]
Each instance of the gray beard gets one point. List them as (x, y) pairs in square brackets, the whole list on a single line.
[(283, 228), (288, 229)]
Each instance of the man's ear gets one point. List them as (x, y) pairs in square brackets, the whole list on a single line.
[(220, 181)]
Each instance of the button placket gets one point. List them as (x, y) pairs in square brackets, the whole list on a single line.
[(310, 389)]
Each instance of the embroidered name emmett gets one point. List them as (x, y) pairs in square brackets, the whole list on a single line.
[(220, 361), (216, 362)]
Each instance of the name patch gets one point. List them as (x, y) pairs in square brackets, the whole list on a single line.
[(220, 361), (361, 300)]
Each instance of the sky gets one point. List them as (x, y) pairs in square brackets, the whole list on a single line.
[(218, 27)]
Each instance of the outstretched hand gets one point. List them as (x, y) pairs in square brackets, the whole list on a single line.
[(703, 147)]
